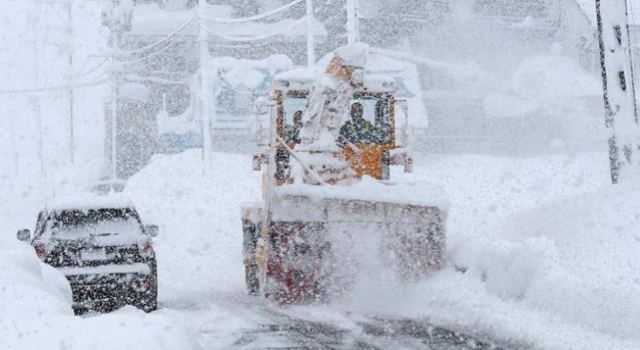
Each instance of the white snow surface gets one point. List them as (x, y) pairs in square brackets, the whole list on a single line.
[(550, 250), (35, 301), (543, 82), (549, 246)]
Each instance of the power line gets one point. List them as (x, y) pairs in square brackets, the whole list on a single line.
[(252, 18), (181, 28), (149, 55), (260, 37), (92, 69), (51, 88)]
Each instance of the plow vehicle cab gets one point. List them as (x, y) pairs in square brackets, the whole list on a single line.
[(325, 189)]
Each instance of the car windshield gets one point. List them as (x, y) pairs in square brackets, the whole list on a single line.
[(73, 224)]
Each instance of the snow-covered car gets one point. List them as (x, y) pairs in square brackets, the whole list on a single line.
[(102, 248)]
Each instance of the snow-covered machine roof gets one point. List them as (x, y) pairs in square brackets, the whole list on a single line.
[(401, 76), (304, 78)]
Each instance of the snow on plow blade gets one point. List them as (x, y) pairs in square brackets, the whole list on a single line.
[(318, 247)]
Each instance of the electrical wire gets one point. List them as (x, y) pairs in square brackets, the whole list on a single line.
[(149, 55), (52, 88), (253, 18), (92, 69), (261, 37), (169, 36)]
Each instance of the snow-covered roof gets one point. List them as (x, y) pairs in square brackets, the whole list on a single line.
[(244, 77), (251, 73), (273, 63), (589, 7)]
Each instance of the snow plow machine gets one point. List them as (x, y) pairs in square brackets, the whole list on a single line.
[(327, 203)]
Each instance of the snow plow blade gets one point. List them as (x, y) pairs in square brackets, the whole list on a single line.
[(314, 249)]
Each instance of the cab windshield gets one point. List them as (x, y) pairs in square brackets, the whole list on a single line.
[(374, 128)]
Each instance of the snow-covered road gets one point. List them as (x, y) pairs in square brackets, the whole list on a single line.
[(202, 280), (549, 246), (263, 325)]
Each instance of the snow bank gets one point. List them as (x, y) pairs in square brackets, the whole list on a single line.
[(593, 271), (567, 277), (550, 250), (554, 99), (199, 248), (554, 76), (35, 299), (547, 265), (199, 219)]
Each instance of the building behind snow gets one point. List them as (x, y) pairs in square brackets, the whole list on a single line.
[(487, 89)]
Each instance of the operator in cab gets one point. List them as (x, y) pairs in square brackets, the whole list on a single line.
[(358, 129), (292, 132)]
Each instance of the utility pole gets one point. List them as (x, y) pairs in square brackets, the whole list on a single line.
[(115, 86), (117, 17), (621, 113), (68, 47), (311, 49), (70, 62), (35, 103), (353, 27), (206, 105), (35, 100)]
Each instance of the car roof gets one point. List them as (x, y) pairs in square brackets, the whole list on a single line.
[(88, 201)]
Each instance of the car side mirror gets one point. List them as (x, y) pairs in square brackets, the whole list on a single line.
[(256, 164), (152, 230), (24, 235), (408, 164)]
